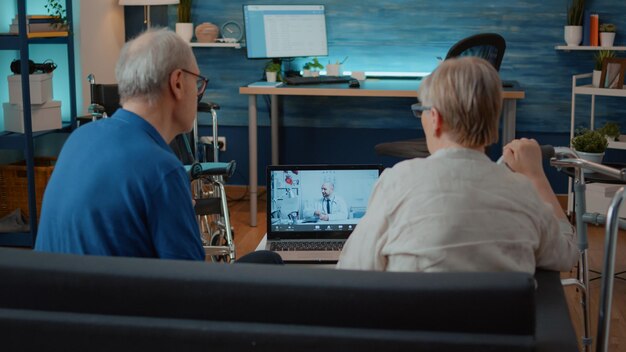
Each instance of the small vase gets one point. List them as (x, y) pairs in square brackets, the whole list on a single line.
[(270, 76), (607, 39), (207, 32), (595, 80), (573, 35), (306, 73), (593, 157), (185, 31)]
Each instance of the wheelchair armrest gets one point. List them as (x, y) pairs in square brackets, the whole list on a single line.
[(212, 169)]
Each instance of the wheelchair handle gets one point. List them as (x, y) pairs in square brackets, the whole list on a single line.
[(207, 106)]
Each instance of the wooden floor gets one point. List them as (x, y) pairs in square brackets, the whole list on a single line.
[(247, 238)]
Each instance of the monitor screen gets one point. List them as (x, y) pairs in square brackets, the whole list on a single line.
[(284, 31)]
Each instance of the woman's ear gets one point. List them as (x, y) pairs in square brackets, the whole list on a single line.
[(436, 121)]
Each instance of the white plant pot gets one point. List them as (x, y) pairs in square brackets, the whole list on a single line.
[(595, 80), (607, 38), (333, 70), (270, 76), (306, 73), (593, 157), (573, 35), (315, 73), (185, 31)]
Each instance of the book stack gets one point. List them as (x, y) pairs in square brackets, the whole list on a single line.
[(41, 26)]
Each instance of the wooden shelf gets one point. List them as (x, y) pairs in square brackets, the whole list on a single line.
[(589, 48), (215, 45), (619, 144)]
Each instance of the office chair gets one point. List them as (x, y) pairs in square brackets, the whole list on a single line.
[(489, 46)]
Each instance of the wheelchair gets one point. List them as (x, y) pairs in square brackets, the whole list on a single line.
[(207, 184)]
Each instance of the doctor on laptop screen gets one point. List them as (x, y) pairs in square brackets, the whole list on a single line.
[(306, 199), (331, 206)]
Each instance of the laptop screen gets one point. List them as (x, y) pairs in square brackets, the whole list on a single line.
[(317, 201)]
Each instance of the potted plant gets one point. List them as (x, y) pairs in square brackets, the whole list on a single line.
[(611, 131), (184, 27), (599, 58), (56, 9), (314, 66), (607, 34), (590, 145), (574, 27), (272, 71), (306, 70)]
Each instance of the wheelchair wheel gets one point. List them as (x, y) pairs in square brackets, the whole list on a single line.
[(219, 239)]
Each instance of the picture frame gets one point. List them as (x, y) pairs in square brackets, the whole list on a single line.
[(613, 71)]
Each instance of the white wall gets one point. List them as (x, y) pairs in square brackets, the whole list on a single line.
[(101, 36)]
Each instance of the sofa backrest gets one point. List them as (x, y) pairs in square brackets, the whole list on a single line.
[(249, 306)]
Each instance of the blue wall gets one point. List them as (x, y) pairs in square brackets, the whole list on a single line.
[(405, 36)]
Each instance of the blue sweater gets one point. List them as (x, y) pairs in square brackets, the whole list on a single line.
[(117, 189)]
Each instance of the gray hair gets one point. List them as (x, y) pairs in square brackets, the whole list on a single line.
[(467, 92), (146, 62)]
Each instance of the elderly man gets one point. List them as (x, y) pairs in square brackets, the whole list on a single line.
[(117, 188), (457, 210)]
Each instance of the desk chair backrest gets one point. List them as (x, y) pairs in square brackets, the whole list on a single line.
[(489, 46)]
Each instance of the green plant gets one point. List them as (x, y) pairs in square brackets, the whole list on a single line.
[(184, 11), (600, 56), (575, 13), (315, 63), (590, 142), (273, 66), (608, 28), (611, 130), (55, 9)]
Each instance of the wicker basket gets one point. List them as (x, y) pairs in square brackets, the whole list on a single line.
[(14, 185)]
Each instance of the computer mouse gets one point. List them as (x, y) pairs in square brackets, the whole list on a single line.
[(354, 83)]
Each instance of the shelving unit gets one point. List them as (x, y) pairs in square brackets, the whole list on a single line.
[(24, 141), (593, 92), (588, 89), (589, 48)]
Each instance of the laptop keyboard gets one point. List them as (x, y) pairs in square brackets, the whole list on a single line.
[(307, 246)]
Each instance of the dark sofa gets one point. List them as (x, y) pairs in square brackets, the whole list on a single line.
[(88, 303)]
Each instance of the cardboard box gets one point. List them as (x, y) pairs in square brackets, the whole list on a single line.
[(40, 88), (599, 196), (44, 117)]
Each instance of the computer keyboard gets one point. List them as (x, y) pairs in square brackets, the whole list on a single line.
[(317, 80), (307, 246)]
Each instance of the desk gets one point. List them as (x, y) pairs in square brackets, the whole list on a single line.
[(379, 88)]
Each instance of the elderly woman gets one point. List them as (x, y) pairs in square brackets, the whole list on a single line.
[(457, 210)]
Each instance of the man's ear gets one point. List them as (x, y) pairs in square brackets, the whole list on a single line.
[(176, 84)]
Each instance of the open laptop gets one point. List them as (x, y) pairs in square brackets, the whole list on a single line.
[(312, 209)]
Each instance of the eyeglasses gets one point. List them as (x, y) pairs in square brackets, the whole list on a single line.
[(201, 82), (418, 109)]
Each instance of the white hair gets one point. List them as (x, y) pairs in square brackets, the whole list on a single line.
[(146, 62)]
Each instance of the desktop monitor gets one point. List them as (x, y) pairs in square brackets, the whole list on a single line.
[(285, 31)]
